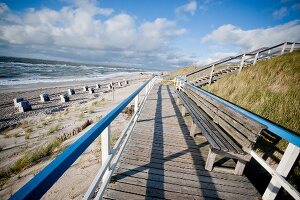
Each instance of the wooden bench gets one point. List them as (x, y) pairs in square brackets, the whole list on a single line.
[(230, 133)]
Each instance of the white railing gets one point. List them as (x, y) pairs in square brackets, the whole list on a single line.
[(243, 60), (289, 157), (111, 156), (42, 182)]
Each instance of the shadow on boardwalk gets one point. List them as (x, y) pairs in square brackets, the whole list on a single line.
[(162, 161)]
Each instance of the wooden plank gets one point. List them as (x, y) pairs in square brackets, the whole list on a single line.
[(217, 133), (161, 160), (128, 175), (209, 177), (220, 134), (249, 134), (253, 126), (241, 139), (171, 191)]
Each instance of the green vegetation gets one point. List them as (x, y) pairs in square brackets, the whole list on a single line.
[(81, 115), (183, 71), (28, 159), (53, 129), (270, 89), (99, 103)]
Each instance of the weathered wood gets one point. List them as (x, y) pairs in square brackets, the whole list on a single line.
[(162, 161), (210, 161), (240, 166)]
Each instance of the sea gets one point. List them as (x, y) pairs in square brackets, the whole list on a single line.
[(24, 71)]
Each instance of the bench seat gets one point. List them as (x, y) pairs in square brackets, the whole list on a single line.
[(230, 134)]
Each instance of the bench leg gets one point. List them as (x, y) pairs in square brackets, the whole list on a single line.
[(177, 101), (193, 129), (183, 110), (210, 160), (239, 168)]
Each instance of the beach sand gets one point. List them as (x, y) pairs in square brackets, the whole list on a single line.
[(30, 131)]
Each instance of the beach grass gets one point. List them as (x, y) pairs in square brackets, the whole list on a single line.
[(28, 159), (269, 89), (52, 129)]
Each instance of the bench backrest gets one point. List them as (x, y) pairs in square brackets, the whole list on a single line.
[(242, 129)]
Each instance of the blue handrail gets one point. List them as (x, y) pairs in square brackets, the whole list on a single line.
[(41, 183), (272, 127)]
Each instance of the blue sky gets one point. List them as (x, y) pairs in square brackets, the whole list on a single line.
[(162, 34)]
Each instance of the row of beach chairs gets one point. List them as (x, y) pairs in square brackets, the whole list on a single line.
[(24, 105)]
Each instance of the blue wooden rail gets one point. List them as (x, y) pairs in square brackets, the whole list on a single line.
[(41, 183), (272, 127), (288, 159)]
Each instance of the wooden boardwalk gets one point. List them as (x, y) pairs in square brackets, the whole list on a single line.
[(162, 161)]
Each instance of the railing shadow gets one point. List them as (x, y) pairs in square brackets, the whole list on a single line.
[(196, 155)]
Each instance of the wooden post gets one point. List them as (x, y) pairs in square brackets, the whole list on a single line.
[(255, 58), (183, 110), (211, 74), (287, 161), (136, 103), (239, 168), (193, 129), (105, 149), (283, 48), (242, 62), (147, 88), (292, 48), (210, 160)]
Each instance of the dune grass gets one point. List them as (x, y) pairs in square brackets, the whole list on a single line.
[(52, 129), (183, 71), (270, 89), (28, 159)]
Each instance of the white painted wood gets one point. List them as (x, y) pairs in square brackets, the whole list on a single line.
[(211, 74), (284, 167), (292, 48), (119, 148), (255, 58), (242, 62), (283, 48), (105, 148), (290, 189), (136, 103)]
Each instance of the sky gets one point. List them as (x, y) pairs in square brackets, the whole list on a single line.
[(158, 34)]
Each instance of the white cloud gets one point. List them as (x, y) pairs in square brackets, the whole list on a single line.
[(3, 8), (190, 7), (86, 28), (252, 39), (280, 13)]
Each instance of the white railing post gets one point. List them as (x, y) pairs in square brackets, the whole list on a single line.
[(255, 58), (288, 159), (292, 48), (105, 149), (147, 88), (136, 103), (211, 74), (283, 48), (242, 62)]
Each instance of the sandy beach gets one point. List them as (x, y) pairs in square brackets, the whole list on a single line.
[(54, 125)]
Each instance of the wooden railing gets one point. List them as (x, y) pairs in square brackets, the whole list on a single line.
[(243, 60), (290, 155), (41, 183)]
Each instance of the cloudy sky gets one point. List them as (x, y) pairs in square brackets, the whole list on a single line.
[(162, 34)]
